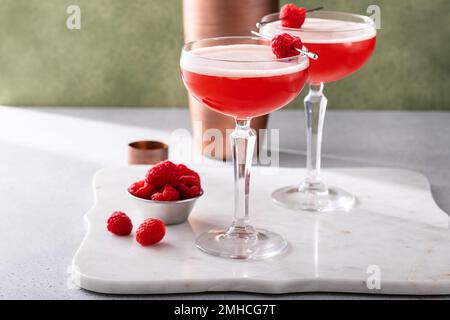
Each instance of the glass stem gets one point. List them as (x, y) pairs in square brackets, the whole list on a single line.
[(315, 107), (243, 140)]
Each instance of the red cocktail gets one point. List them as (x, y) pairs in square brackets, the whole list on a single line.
[(241, 77), (352, 56), (343, 42), (246, 89)]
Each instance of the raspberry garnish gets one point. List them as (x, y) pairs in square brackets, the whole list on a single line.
[(292, 16), (189, 187), (140, 189), (150, 231), (284, 45), (162, 173), (119, 223)]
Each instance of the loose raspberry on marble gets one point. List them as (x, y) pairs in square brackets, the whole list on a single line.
[(150, 232), (119, 223)]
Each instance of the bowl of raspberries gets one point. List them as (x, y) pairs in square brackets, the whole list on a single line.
[(168, 192)]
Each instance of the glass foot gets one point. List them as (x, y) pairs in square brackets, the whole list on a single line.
[(238, 243), (328, 200)]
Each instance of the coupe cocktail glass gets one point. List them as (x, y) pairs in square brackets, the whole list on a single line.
[(344, 42), (240, 77)]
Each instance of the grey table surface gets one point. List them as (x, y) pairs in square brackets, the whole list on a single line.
[(49, 155)]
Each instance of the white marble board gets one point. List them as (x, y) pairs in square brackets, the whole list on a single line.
[(396, 234)]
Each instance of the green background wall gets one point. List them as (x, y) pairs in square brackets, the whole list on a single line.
[(127, 54)]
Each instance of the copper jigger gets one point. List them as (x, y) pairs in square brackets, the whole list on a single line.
[(217, 18), (147, 152)]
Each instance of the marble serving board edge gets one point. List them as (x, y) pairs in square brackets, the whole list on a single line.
[(260, 276)]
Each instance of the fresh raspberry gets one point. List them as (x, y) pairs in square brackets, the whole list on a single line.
[(189, 187), (284, 45), (185, 171), (119, 223), (150, 231), (162, 173), (158, 196), (140, 189), (189, 192), (189, 180), (292, 16), (168, 193)]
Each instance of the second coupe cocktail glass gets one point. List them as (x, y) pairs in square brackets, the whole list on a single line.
[(240, 77), (344, 42)]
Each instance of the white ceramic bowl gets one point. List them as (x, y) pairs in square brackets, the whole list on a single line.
[(171, 212)]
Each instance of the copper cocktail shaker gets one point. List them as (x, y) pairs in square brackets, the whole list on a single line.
[(216, 18)]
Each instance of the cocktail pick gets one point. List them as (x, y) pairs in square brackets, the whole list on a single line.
[(310, 55), (261, 23), (315, 9)]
